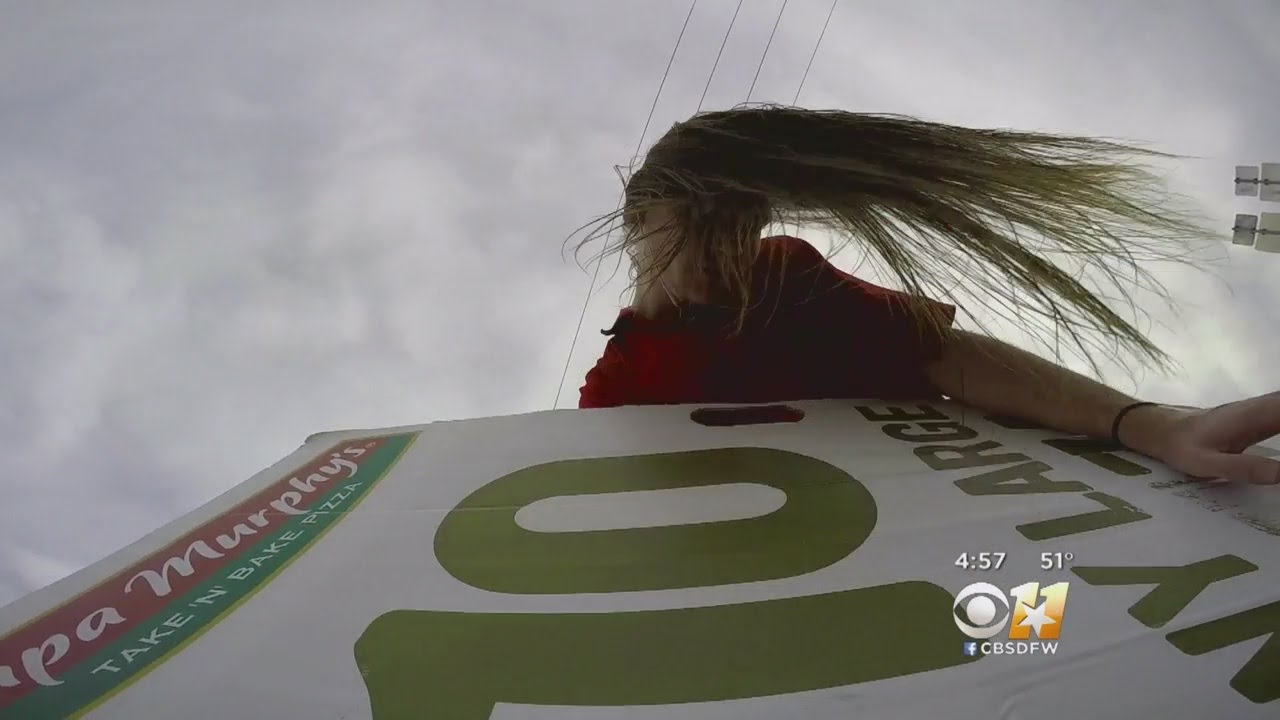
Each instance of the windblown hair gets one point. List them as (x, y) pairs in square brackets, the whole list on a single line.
[(937, 206)]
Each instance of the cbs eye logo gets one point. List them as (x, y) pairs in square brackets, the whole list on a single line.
[(981, 611)]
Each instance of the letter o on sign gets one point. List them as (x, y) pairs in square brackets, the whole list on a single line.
[(827, 515)]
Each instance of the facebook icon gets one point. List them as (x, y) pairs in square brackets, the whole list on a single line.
[(971, 649)]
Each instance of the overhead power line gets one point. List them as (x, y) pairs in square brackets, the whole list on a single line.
[(578, 330)]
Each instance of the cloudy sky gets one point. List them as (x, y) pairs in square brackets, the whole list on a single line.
[(227, 225)]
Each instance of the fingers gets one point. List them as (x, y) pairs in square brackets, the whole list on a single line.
[(1250, 469)]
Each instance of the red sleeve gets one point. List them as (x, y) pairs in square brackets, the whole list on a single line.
[(605, 384), (888, 344)]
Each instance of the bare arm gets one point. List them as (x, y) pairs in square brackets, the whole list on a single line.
[(996, 377)]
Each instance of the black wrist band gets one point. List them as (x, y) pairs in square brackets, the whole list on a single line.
[(1115, 426)]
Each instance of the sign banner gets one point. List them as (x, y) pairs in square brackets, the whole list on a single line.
[(822, 560)]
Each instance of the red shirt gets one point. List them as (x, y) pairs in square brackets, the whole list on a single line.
[(818, 334)]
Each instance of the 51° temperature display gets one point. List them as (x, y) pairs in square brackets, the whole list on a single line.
[(1056, 560)]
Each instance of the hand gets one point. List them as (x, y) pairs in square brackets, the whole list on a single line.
[(1209, 443)]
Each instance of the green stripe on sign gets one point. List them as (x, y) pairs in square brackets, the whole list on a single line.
[(97, 678)]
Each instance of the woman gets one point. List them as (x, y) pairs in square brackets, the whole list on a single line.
[(721, 316)]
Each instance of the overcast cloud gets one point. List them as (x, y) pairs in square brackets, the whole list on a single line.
[(227, 225)]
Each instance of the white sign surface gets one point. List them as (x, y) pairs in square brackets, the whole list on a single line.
[(675, 562)]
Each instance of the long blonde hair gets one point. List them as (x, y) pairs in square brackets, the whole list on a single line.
[(937, 205)]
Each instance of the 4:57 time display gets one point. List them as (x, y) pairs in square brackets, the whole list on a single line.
[(980, 560)]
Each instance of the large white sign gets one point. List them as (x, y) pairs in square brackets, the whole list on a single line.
[(824, 560)]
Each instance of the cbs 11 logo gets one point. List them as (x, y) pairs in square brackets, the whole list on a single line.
[(982, 612)]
